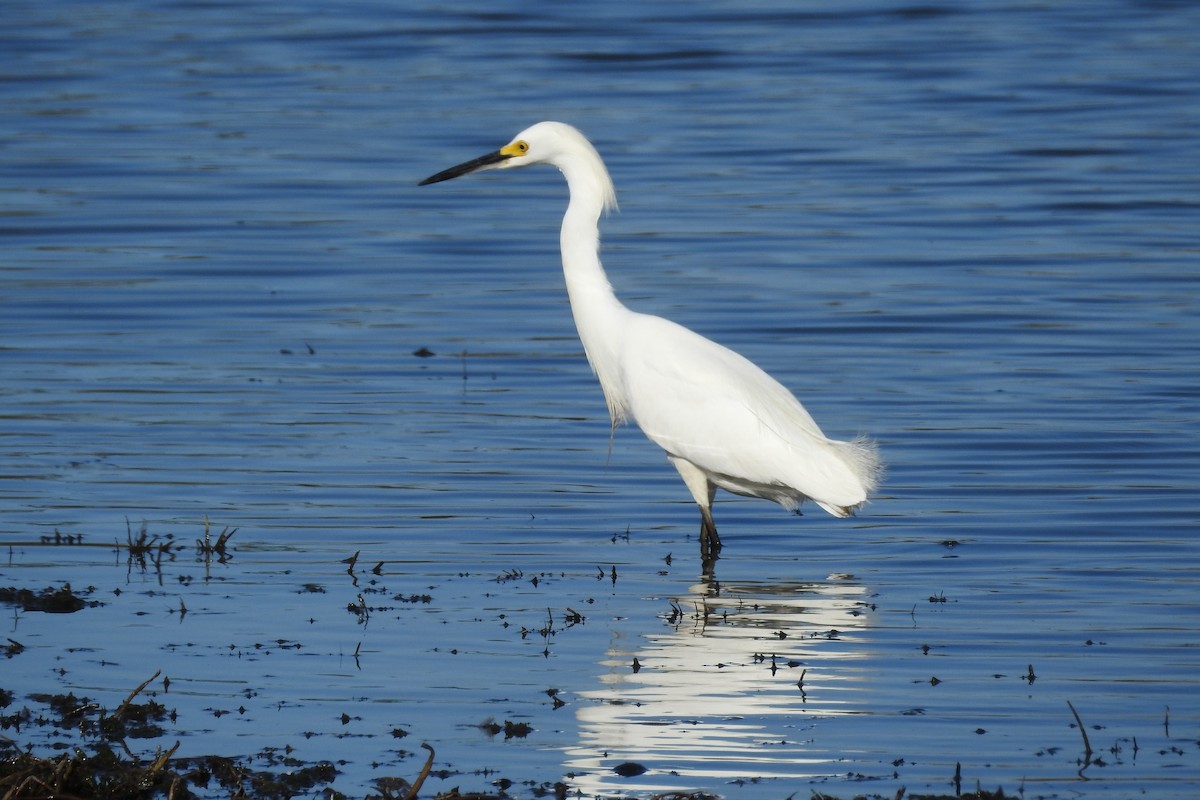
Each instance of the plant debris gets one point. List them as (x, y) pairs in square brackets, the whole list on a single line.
[(104, 766), (62, 600)]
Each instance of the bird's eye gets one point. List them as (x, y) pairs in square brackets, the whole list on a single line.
[(522, 147)]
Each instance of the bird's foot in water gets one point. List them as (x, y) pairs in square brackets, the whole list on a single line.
[(710, 543)]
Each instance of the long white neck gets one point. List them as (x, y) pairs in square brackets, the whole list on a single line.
[(599, 316)]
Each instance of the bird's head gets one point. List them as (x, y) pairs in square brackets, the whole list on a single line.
[(553, 143)]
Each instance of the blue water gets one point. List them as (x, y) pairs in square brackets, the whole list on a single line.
[(969, 230)]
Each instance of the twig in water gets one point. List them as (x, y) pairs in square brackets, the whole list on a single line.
[(416, 787), (1087, 746), (134, 693), (161, 761)]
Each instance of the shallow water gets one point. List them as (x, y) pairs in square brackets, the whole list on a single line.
[(968, 231)]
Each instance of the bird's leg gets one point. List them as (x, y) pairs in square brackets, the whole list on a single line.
[(703, 490), (710, 542)]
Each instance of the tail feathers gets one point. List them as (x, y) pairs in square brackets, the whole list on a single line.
[(862, 455)]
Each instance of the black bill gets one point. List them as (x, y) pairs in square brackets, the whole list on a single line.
[(474, 165)]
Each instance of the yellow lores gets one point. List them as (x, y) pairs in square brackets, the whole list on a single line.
[(722, 421)]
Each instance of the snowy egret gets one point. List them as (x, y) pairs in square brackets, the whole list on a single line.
[(722, 421)]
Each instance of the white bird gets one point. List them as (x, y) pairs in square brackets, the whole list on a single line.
[(722, 420)]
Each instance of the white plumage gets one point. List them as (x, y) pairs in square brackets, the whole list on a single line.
[(723, 422)]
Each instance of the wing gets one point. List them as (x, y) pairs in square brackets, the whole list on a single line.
[(705, 403)]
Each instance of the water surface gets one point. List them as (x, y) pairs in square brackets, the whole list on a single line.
[(968, 230)]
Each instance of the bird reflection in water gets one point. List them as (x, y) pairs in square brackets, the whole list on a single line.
[(736, 688)]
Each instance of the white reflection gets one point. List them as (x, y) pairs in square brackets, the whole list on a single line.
[(730, 690)]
